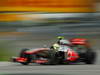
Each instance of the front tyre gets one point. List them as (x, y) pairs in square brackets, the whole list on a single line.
[(23, 55), (25, 63), (52, 59)]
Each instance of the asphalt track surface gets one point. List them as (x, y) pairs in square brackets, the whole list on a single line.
[(10, 68)]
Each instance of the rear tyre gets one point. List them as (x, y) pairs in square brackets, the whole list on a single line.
[(90, 57)]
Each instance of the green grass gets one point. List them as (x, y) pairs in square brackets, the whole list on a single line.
[(5, 52)]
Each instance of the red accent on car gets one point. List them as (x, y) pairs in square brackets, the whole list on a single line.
[(19, 59), (79, 41), (72, 56), (36, 50), (40, 61)]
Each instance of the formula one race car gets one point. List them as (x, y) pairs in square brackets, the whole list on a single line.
[(48, 56)]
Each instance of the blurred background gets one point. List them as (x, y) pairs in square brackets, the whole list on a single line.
[(35, 23)]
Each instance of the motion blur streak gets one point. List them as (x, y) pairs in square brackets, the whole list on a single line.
[(48, 5), (27, 23)]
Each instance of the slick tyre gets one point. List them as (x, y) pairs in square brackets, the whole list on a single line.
[(25, 63), (23, 55), (90, 57), (52, 59), (22, 52)]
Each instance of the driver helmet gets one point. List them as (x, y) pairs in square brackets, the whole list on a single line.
[(56, 46), (60, 37)]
